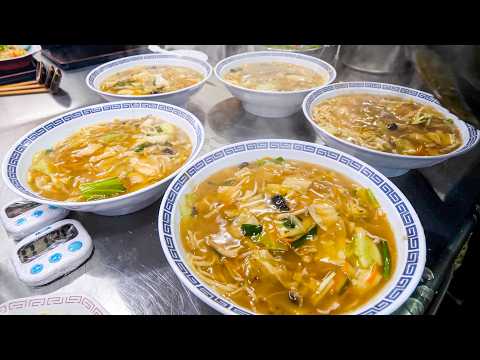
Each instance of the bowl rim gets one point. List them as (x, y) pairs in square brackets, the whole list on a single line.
[(300, 51), (100, 69), (332, 73), (33, 49), (312, 98), (85, 111), (394, 294)]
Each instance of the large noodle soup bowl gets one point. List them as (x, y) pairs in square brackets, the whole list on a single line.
[(272, 104), (19, 158), (388, 163), (405, 224), (179, 97)]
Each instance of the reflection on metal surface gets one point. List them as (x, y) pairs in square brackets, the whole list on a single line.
[(440, 80), (232, 123), (376, 59), (128, 273), (427, 275)]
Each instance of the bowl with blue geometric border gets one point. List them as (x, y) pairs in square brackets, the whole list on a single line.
[(19, 158), (389, 163), (405, 224)]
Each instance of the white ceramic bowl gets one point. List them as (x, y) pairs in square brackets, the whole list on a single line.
[(389, 164), (20, 62), (19, 158), (406, 226), (178, 97), (272, 104)]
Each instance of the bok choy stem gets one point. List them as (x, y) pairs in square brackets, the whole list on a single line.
[(102, 189)]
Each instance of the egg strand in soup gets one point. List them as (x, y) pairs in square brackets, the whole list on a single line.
[(388, 123), (147, 80), (109, 159), (281, 236), (274, 76)]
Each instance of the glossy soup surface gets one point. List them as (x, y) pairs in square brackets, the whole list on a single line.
[(127, 154), (281, 236), (147, 80), (274, 76), (388, 123), (11, 51)]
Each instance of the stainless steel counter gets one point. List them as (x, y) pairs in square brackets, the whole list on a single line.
[(127, 272)]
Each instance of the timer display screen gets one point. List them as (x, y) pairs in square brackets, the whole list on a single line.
[(34, 249)]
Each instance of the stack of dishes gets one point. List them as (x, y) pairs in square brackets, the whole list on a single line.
[(264, 226)]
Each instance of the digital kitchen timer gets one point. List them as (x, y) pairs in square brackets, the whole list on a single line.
[(51, 252), (24, 217)]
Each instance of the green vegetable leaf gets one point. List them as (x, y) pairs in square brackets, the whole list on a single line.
[(288, 223), (387, 260), (102, 189), (279, 160), (308, 236), (108, 138), (228, 182), (141, 147), (251, 230)]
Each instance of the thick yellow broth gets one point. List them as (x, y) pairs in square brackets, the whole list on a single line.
[(274, 76), (388, 123), (147, 80), (139, 152), (274, 277)]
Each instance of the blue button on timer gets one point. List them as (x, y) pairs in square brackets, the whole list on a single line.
[(36, 268), (74, 246), (55, 258)]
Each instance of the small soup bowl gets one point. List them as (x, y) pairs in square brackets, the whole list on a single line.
[(389, 164), (272, 104), (20, 62), (404, 222), (179, 97), (19, 158)]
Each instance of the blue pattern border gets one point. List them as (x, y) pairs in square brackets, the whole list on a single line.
[(30, 138), (312, 97), (473, 134), (414, 244), (102, 68)]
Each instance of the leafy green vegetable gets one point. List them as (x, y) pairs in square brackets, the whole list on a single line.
[(251, 230), (42, 165), (279, 160), (102, 189), (108, 138), (48, 151), (270, 243), (387, 260), (141, 147), (228, 182), (122, 83), (186, 206), (288, 223), (345, 286), (365, 249), (261, 162), (308, 236)]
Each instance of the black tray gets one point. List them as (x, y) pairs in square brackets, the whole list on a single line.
[(24, 74), (77, 56)]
